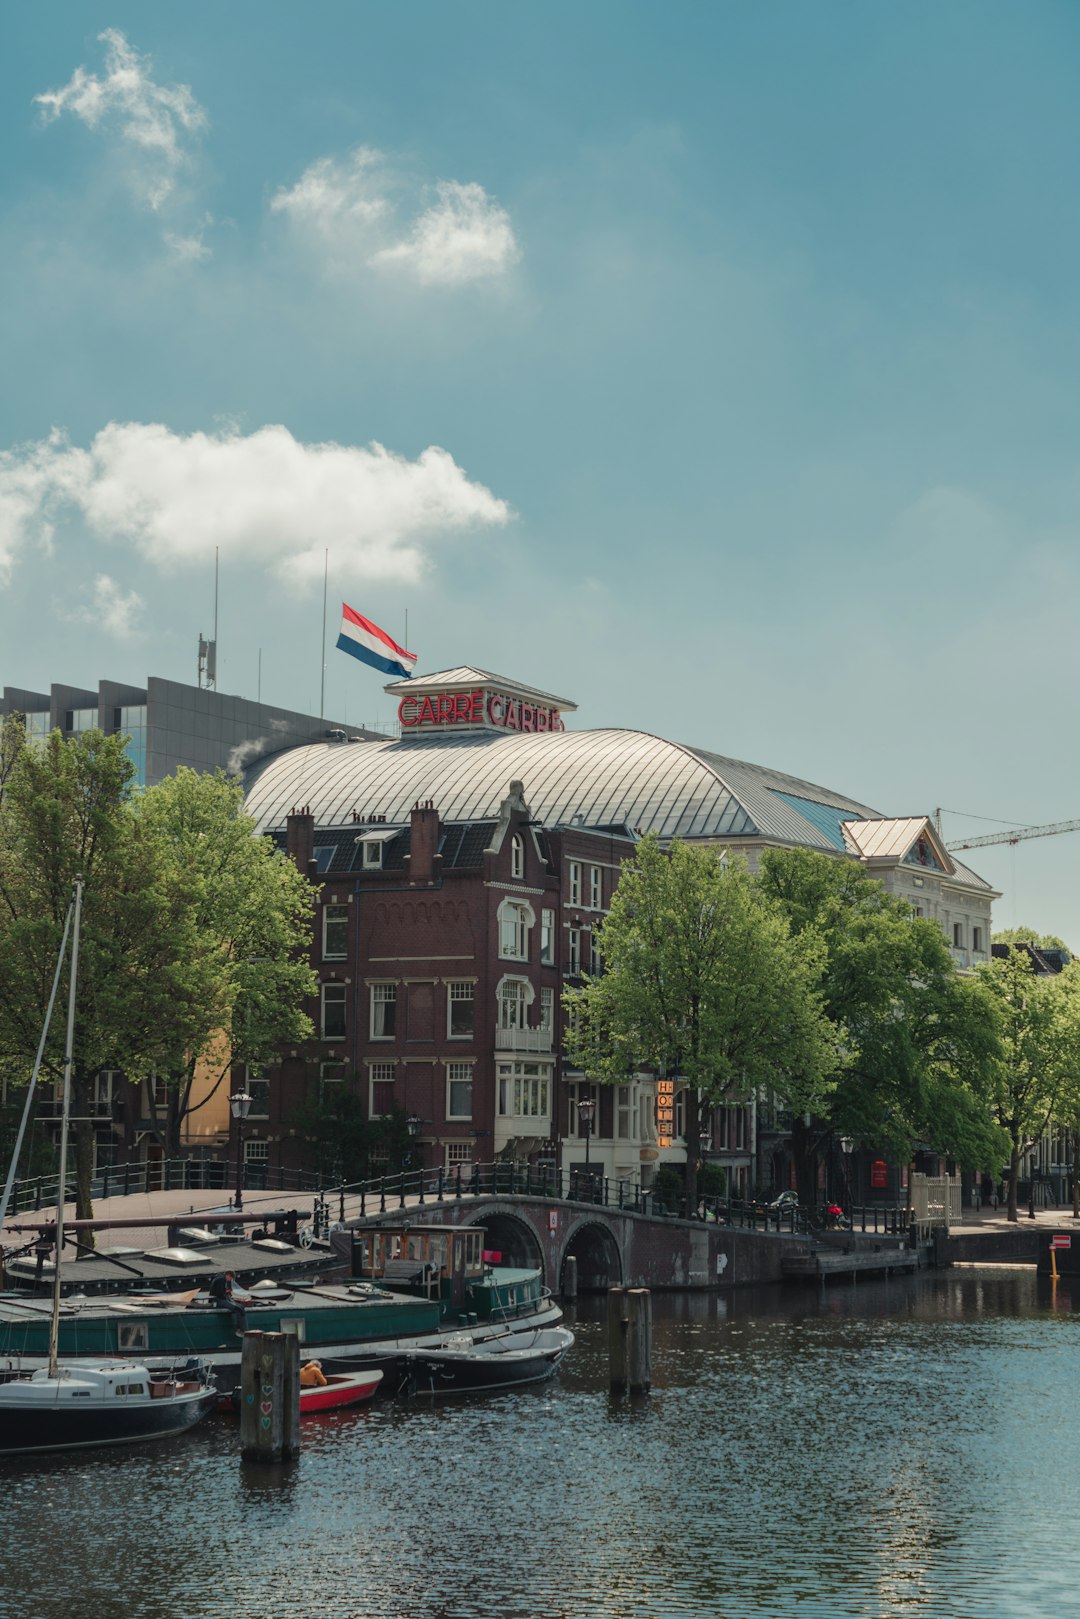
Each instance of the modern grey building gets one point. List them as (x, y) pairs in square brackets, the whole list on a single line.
[(170, 724)]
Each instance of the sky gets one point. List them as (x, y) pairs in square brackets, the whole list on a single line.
[(711, 366)]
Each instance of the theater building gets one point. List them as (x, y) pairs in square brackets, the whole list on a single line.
[(463, 868)]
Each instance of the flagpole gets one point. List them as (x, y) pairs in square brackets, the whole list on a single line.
[(322, 687)]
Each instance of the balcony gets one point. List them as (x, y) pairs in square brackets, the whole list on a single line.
[(523, 1039)]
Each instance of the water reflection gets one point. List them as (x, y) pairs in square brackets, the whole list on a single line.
[(875, 1452)]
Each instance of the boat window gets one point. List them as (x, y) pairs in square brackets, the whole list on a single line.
[(295, 1326), (131, 1335), (438, 1251)]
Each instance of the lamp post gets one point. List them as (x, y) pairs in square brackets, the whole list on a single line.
[(240, 1102), (585, 1109), (847, 1147), (414, 1124)]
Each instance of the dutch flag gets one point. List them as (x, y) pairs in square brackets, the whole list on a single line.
[(371, 645)]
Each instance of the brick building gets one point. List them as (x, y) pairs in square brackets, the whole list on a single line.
[(462, 869)]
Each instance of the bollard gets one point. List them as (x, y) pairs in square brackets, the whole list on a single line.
[(630, 1338), (270, 1397), (569, 1285), (618, 1323)]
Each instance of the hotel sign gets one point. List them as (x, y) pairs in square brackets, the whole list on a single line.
[(491, 709), (665, 1112)]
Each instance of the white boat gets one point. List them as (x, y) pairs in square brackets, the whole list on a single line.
[(72, 1404)]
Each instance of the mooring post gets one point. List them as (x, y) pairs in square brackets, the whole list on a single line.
[(569, 1284), (639, 1340), (618, 1325), (270, 1397)]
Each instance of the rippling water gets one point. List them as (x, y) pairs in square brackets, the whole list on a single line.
[(902, 1450)]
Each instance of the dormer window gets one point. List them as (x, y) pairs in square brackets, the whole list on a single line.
[(517, 856)]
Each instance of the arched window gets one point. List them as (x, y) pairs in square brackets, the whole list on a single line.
[(517, 856), (516, 917)]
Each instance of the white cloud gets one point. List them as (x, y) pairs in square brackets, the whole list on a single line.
[(155, 122), (112, 610), (264, 499), (464, 237), (346, 209)]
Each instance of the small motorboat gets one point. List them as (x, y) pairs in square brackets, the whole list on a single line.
[(86, 1403), (461, 1364), (339, 1389)]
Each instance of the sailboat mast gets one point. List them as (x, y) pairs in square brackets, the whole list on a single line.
[(61, 1185)]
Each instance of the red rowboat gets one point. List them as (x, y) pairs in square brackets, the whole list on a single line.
[(340, 1388)]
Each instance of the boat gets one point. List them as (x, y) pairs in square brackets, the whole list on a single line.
[(417, 1284), (339, 1389), (462, 1364), (90, 1403), (72, 1404)]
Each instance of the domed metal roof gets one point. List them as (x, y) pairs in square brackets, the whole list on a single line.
[(596, 778)]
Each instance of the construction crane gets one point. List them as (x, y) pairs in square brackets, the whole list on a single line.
[(1014, 836)]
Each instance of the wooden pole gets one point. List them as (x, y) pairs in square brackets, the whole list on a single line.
[(270, 1397), (618, 1323), (639, 1340), (569, 1285)]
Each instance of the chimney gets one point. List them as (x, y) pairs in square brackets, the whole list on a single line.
[(425, 862), (300, 838)]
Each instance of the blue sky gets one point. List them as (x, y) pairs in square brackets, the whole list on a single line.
[(722, 360)]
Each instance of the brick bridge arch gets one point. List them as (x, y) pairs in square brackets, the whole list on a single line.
[(612, 1246)]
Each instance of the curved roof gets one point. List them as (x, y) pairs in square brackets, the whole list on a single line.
[(600, 778)]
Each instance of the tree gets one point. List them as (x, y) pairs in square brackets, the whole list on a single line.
[(253, 910), (346, 1144), (920, 1041), (702, 979), (147, 984), (1022, 935), (1040, 1039)]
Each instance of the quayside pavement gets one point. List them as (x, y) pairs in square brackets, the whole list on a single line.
[(193, 1205)]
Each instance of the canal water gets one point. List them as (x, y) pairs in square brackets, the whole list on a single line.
[(898, 1450)]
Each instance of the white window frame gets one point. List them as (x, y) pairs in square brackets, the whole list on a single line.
[(517, 856), (462, 1076), (326, 1077), (547, 1010), (343, 918), (383, 993), (455, 997), (459, 1155), (379, 1073), (256, 1152), (516, 920), (516, 992), (373, 852), (547, 938), (574, 885), (523, 1090), (336, 999), (573, 952), (596, 889), (624, 1112)]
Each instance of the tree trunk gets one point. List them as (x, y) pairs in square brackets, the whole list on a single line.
[(805, 1155), (1014, 1167), (1076, 1174), (692, 1126)]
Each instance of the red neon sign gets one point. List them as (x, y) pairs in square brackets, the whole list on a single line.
[(471, 708)]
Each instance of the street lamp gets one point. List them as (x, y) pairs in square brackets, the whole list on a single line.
[(240, 1102), (847, 1147), (585, 1109)]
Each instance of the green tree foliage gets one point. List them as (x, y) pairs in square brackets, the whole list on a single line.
[(348, 1146), (702, 978), (920, 1041), (148, 981), (1022, 935), (1040, 1039), (195, 931), (254, 908)]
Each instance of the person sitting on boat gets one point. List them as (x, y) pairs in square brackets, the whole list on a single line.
[(221, 1291), (312, 1375)]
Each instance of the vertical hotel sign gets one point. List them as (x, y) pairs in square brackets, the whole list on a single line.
[(665, 1112)]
